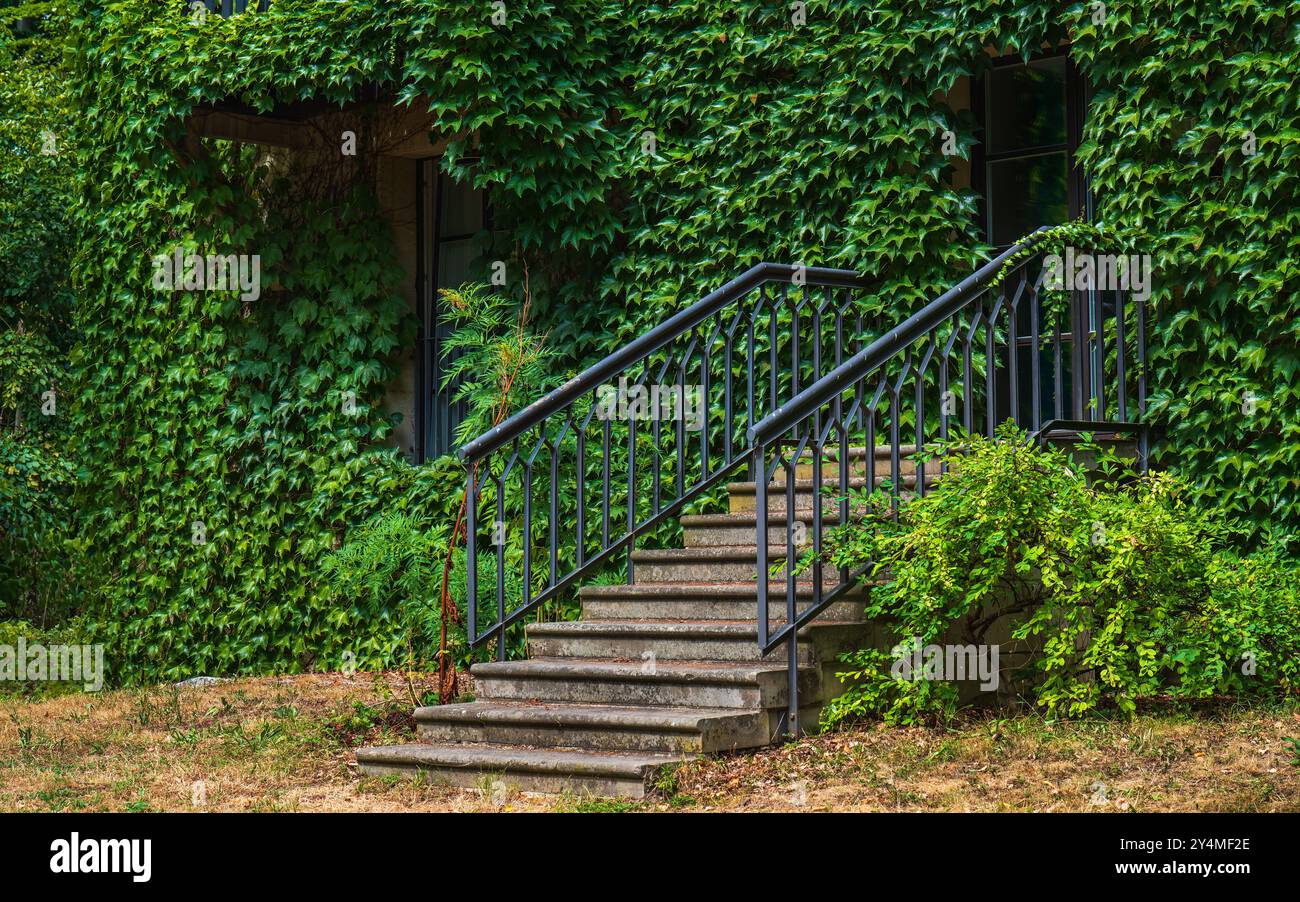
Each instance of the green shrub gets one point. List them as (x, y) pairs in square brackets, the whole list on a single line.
[(1123, 589), (391, 570), (386, 569)]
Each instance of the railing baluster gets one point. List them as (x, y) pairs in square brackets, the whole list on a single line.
[(792, 671), (990, 367), (895, 451), (471, 553), (631, 489), (1121, 354), (228, 8), (791, 512), (1144, 446), (751, 417), (1098, 355), (1035, 357), (796, 356), (869, 439), (817, 450), (1013, 355), (706, 404), (773, 401), (679, 429), (501, 552), (728, 411), (919, 414), (656, 464), (606, 429), (1078, 352), (760, 541), (1058, 376), (580, 531), (553, 505), (528, 556), (842, 433)]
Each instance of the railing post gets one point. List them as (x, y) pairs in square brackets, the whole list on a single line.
[(791, 582), (471, 557), (760, 521), (1079, 358), (1144, 437), (631, 494), (792, 672)]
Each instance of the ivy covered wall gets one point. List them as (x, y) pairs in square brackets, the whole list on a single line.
[(641, 154), (227, 444), (1193, 147)]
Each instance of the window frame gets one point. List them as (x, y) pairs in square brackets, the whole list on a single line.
[(1078, 191)]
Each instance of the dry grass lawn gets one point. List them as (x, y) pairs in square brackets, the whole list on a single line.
[(286, 744)]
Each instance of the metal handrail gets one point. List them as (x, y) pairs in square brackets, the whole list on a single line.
[(884, 347), (744, 348), (674, 327)]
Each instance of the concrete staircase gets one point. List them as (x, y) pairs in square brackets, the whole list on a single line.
[(654, 673)]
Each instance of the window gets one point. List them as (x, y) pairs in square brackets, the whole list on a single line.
[(454, 238), (1030, 133)]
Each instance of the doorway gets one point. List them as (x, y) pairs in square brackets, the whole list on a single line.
[(1031, 118)]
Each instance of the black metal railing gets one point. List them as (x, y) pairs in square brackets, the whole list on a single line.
[(977, 356), (573, 481)]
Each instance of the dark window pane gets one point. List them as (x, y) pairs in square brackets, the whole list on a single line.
[(1026, 106), (460, 261), (1026, 193), (1047, 387), (462, 208)]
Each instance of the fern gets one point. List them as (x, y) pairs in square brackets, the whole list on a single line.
[(495, 363)]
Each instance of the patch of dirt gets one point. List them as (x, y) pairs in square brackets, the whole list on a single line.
[(1234, 760), (288, 744)]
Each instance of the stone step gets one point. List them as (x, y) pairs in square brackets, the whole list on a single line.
[(680, 640), (741, 495), (682, 731), (626, 774), (857, 464), (707, 601), (706, 530), (721, 563), (677, 684)]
